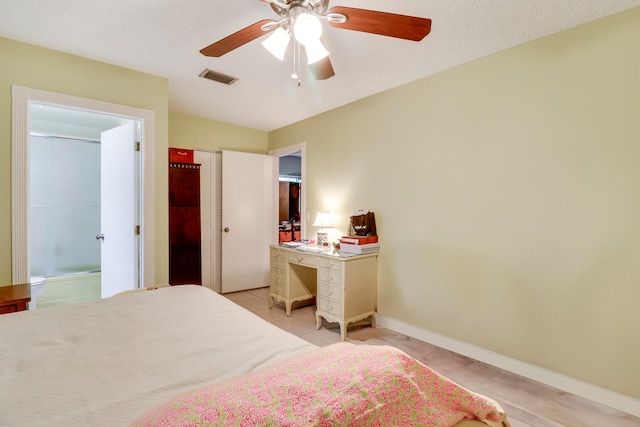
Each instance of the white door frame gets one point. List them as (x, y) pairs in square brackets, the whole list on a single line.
[(22, 98), (304, 215)]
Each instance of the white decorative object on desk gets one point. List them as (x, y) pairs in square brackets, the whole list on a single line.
[(323, 220)]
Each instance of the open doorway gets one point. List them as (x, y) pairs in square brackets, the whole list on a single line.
[(66, 202), (290, 181), (289, 192), (68, 126)]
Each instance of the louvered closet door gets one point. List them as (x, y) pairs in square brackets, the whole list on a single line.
[(210, 216)]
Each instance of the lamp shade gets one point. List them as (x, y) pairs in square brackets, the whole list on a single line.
[(277, 43), (323, 219), (315, 51)]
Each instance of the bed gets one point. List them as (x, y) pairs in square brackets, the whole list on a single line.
[(185, 355)]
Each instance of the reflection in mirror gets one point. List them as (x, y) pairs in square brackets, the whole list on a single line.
[(289, 198)]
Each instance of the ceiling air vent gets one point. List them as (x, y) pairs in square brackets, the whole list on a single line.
[(218, 77)]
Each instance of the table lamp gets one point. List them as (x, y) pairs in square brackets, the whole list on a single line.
[(323, 220)]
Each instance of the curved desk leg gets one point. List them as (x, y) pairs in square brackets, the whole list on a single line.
[(271, 301), (318, 321), (343, 331), (287, 305)]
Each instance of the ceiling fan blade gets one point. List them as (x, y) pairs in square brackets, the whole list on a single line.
[(237, 39), (322, 69), (383, 23)]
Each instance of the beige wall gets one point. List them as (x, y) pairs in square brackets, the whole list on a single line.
[(187, 131), (505, 190), (507, 199), (43, 69)]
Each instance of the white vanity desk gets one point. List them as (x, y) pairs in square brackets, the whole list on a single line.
[(345, 285)]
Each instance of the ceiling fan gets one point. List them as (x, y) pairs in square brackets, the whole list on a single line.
[(300, 20)]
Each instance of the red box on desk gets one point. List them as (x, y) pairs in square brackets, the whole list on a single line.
[(359, 240), (180, 155)]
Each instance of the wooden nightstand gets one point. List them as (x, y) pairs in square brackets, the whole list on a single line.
[(14, 298)]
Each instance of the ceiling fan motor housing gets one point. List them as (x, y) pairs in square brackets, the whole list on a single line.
[(281, 7)]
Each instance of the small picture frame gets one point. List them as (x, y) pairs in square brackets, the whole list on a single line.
[(322, 238)]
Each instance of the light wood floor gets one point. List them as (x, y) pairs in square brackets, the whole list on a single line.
[(526, 402)]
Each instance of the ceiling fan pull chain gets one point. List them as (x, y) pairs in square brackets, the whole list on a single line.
[(296, 61)]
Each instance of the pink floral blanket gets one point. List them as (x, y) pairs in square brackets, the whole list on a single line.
[(338, 385)]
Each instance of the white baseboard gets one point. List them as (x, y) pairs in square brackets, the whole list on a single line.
[(563, 382)]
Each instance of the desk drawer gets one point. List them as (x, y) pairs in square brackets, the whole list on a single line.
[(330, 276), (330, 264), (329, 306), (331, 291), (277, 272), (275, 252), (277, 255), (304, 259), (274, 277)]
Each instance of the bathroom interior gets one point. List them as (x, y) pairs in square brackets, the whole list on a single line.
[(65, 208), (64, 204)]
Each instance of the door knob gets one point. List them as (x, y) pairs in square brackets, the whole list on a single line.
[(100, 237), (226, 229)]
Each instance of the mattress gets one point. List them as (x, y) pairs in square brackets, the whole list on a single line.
[(104, 363)]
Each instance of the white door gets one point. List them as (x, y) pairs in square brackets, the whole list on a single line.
[(119, 192), (247, 220)]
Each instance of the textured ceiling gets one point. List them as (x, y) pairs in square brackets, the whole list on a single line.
[(163, 37)]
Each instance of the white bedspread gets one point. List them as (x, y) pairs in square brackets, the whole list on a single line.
[(104, 363)]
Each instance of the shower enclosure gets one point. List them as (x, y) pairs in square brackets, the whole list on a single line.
[(64, 209)]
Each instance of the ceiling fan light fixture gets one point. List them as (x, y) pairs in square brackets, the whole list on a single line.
[(315, 51), (277, 43), (300, 20), (307, 28)]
